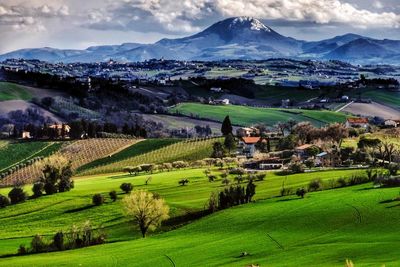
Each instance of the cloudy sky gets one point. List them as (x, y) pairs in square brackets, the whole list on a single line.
[(82, 23)]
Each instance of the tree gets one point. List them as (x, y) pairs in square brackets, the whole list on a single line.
[(250, 190), (4, 201), (17, 195), (301, 192), (113, 195), (148, 212), (218, 150), (226, 127), (37, 189), (97, 199), (309, 163), (230, 142), (57, 175), (126, 187)]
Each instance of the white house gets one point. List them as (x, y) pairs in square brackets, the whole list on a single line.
[(392, 123), (216, 89), (247, 145)]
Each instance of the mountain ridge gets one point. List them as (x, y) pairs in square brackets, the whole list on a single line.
[(232, 38)]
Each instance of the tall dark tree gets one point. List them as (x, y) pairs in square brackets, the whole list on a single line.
[(226, 126), (230, 142)]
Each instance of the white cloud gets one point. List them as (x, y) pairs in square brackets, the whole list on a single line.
[(184, 15)]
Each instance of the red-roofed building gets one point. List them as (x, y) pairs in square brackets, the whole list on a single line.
[(247, 145), (357, 123)]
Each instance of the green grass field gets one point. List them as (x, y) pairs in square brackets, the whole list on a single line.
[(49, 214), (324, 229), (137, 149), (11, 91), (241, 115), (13, 153)]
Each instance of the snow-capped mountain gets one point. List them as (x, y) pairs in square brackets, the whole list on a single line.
[(233, 38)]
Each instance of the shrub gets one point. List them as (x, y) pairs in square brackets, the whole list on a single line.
[(22, 250), (301, 192), (38, 244), (226, 181), (238, 179), (212, 204), (17, 195), (58, 241), (4, 201), (261, 176), (37, 189), (97, 199), (341, 182), (285, 191), (179, 164), (211, 178), (296, 167), (183, 182), (315, 185), (393, 168), (126, 187), (113, 195), (237, 171), (356, 179)]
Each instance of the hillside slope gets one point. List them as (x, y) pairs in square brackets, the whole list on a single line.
[(324, 229)]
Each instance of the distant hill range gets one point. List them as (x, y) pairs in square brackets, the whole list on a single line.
[(233, 38)]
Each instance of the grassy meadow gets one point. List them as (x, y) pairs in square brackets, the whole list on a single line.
[(48, 214), (323, 229), (242, 115), (11, 91)]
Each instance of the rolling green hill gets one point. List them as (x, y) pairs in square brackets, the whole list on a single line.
[(244, 116), (324, 229), (11, 91), (48, 214)]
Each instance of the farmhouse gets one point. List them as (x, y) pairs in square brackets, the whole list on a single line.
[(392, 123), (62, 129), (216, 89), (247, 146), (247, 132), (224, 101), (357, 123)]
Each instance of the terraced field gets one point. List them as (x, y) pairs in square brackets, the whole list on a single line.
[(134, 150), (244, 116), (79, 153), (12, 153), (188, 150)]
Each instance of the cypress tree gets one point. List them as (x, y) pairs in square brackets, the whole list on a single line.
[(226, 126)]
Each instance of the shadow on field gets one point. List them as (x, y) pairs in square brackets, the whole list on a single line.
[(288, 199), (79, 209)]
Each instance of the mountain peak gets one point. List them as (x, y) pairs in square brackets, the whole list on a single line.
[(247, 22)]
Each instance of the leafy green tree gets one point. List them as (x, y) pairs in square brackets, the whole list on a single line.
[(230, 142), (218, 150), (250, 190), (146, 210), (126, 187), (301, 192), (226, 127)]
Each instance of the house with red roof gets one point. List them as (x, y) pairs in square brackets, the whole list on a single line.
[(247, 145), (357, 123)]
